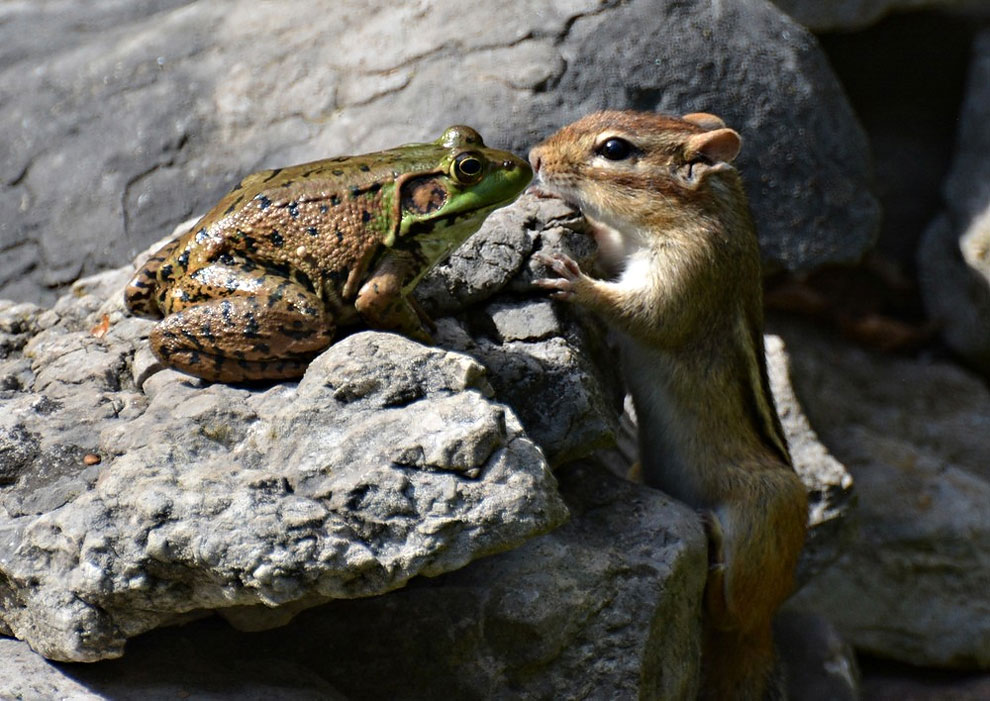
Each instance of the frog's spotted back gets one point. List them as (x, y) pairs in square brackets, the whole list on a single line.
[(258, 286)]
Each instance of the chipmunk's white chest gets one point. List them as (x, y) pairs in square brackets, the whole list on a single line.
[(624, 255)]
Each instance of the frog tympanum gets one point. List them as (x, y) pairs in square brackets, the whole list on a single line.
[(258, 286)]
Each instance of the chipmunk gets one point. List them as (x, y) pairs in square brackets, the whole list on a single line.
[(676, 239)]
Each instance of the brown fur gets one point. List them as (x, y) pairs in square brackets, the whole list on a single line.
[(676, 235)]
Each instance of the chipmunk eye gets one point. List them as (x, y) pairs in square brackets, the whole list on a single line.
[(615, 149)]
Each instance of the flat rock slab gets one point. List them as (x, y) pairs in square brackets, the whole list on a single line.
[(388, 460)]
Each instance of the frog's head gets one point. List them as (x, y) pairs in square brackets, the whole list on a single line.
[(441, 206)]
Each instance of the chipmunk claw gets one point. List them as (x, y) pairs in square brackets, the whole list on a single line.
[(562, 287)]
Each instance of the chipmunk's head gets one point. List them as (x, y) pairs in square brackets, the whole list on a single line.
[(619, 167)]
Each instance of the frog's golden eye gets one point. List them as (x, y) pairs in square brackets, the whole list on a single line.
[(615, 149), (468, 168)]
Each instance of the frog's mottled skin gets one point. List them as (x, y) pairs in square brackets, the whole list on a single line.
[(258, 286)]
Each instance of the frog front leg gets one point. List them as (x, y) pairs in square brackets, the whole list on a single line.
[(383, 305), (226, 325)]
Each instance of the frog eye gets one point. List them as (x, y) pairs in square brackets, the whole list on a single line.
[(615, 149), (468, 168)]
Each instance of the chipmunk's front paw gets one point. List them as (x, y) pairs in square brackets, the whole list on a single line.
[(565, 286)]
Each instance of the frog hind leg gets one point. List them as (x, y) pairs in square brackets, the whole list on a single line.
[(383, 305), (245, 338), (140, 293)]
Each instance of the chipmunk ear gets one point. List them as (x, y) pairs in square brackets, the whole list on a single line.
[(717, 146), (707, 153), (704, 120)]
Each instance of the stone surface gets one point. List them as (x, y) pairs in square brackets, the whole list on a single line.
[(604, 606), (386, 461), (954, 272), (124, 121), (913, 586), (818, 663), (830, 486), (133, 497), (967, 189), (954, 258), (846, 15), (892, 682), (195, 663)]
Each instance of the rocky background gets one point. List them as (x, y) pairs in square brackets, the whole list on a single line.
[(331, 522)]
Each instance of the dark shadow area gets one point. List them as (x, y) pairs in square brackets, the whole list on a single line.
[(884, 680), (905, 78)]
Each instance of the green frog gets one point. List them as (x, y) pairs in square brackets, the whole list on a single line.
[(259, 286)]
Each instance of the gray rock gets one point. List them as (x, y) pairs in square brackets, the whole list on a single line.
[(177, 667), (168, 104), (818, 663), (846, 15), (830, 486), (385, 462), (259, 503), (566, 402), (913, 584), (967, 189), (954, 257), (606, 605), (955, 280), (131, 496)]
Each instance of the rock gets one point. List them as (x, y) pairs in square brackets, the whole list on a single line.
[(847, 15), (912, 585), (388, 460), (830, 486), (178, 666), (819, 664), (132, 496), (967, 190), (135, 497), (385, 462), (892, 682), (169, 104), (954, 277), (604, 605), (954, 258)]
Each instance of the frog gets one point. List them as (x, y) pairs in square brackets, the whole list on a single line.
[(263, 283)]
